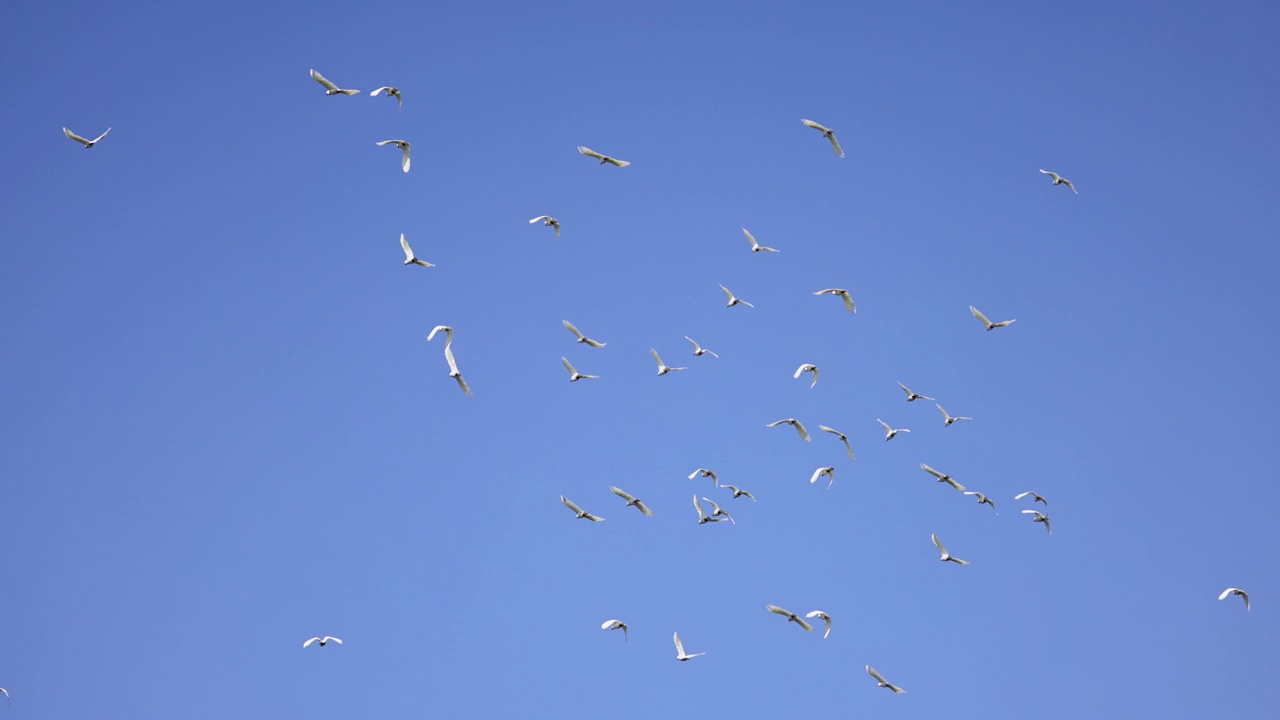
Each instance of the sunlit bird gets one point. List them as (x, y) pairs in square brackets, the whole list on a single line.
[(404, 150), (804, 434), (698, 350), (391, 92), (579, 512), (409, 257), (733, 300), (322, 641), (1040, 518), (1235, 591), (574, 375), (825, 618), (844, 295), (790, 616), (990, 325), (982, 499), (547, 221), (581, 338), (843, 438), (705, 473), (807, 367), (739, 492), (942, 477), (602, 158), (84, 141), (756, 246), (1035, 497), (827, 133), (946, 556), (719, 512), (615, 625), (947, 419), (631, 500), (1059, 180), (330, 88), (881, 682), (829, 471), (681, 655), (890, 432), (913, 395), (663, 368)]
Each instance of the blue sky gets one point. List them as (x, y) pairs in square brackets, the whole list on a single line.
[(225, 431)]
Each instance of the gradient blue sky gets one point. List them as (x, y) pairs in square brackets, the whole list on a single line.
[(224, 430)]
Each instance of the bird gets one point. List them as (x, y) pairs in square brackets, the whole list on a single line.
[(827, 133), (843, 438), (322, 640), (717, 511), (1235, 591), (829, 471), (807, 367), (825, 618), (1040, 518), (703, 518), (409, 257), (85, 142), (913, 395), (680, 653), (804, 434), (942, 477), (791, 617), (734, 300), (755, 246), (330, 88), (391, 92), (663, 368), (602, 158), (548, 221), (631, 500), (1035, 497), (738, 492), (581, 338), (946, 556), (990, 325), (448, 334), (881, 682), (453, 369), (615, 625), (948, 419), (982, 499), (404, 148), (574, 375), (579, 512), (1059, 180), (890, 433), (844, 295), (705, 473), (698, 350)]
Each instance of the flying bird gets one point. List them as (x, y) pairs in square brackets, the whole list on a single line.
[(942, 477), (602, 158), (448, 334), (717, 511), (703, 518), (705, 473), (738, 492), (1040, 518), (791, 617), (631, 500), (913, 395), (574, 375), (843, 438), (825, 618), (1235, 591), (409, 257), (946, 556), (547, 221), (881, 682), (680, 653), (85, 142), (404, 149), (322, 640), (1035, 497), (330, 88), (755, 246), (581, 338), (890, 433), (1059, 180), (698, 350), (807, 367), (844, 295), (829, 471), (804, 434), (391, 92), (615, 625), (990, 325), (948, 419), (827, 133), (982, 499), (579, 512), (453, 369), (733, 300), (663, 368)]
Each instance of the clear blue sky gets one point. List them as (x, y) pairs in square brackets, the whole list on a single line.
[(225, 432)]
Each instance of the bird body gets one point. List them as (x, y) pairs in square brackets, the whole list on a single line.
[(322, 641), (705, 473), (990, 325), (548, 221), (1235, 591), (807, 367), (615, 625), (942, 477), (404, 150), (681, 655), (409, 257), (913, 395), (579, 512), (574, 375), (581, 338), (737, 492), (84, 141), (982, 499), (1035, 497), (804, 434), (733, 300), (946, 556), (947, 419), (602, 158), (631, 500), (790, 616), (330, 88), (827, 133), (1059, 180), (1040, 518), (755, 246), (663, 368), (844, 295), (698, 350)]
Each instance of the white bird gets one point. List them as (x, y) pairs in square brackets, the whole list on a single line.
[(1040, 518), (631, 500), (1035, 497), (913, 395), (946, 556), (548, 221), (734, 300), (890, 433), (881, 682), (942, 477), (947, 419), (448, 334), (663, 368), (738, 492), (703, 518), (579, 512), (1059, 180), (807, 367), (330, 88), (322, 640), (404, 149), (825, 618), (391, 92), (602, 158), (804, 434), (829, 471), (717, 511), (574, 375), (698, 350), (409, 257), (85, 142), (615, 625), (705, 473), (843, 438), (827, 133), (1235, 591), (755, 246), (680, 653), (453, 369), (982, 499), (844, 295), (790, 616), (581, 338), (990, 325)]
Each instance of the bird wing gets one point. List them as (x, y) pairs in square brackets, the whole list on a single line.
[(932, 472), (879, 678), (644, 508), (750, 237), (462, 384), (804, 434), (314, 639), (944, 412), (570, 327), (1021, 495), (801, 369), (617, 162), (1051, 174), (622, 494), (1226, 592), (610, 624), (905, 389), (589, 152), (540, 218), (568, 366), (570, 504), (679, 645), (696, 346), (816, 474), (727, 293), (938, 543), (73, 136), (657, 359), (447, 330), (831, 430), (95, 140), (327, 638), (715, 508), (814, 125), (323, 81), (404, 161), (802, 623), (825, 618), (381, 89), (449, 358), (408, 256), (701, 513), (835, 144), (848, 300), (952, 483), (978, 314), (592, 518), (885, 425), (778, 610)]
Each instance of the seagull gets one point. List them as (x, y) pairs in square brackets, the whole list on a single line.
[(698, 350), (409, 257), (615, 625), (1040, 518), (581, 514), (1035, 497), (631, 500), (827, 133), (913, 395), (86, 143), (890, 433), (843, 438), (881, 682), (717, 511), (829, 471), (990, 325), (947, 419), (391, 92), (942, 477), (705, 473), (1059, 180), (804, 434), (663, 368), (844, 295), (703, 519), (581, 338), (680, 653), (825, 618), (453, 369), (322, 640), (755, 246), (737, 492), (574, 375), (733, 300), (807, 367), (1235, 591), (946, 556), (791, 617), (404, 148), (982, 499), (602, 158), (548, 221), (330, 88)]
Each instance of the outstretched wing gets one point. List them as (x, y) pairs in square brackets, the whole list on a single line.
[(589, 152), (571, 328), (324, 81), (978, 314), (73, 136), (570, 504), (408, 253), (835, 145), (814, 125), (622, 494)]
